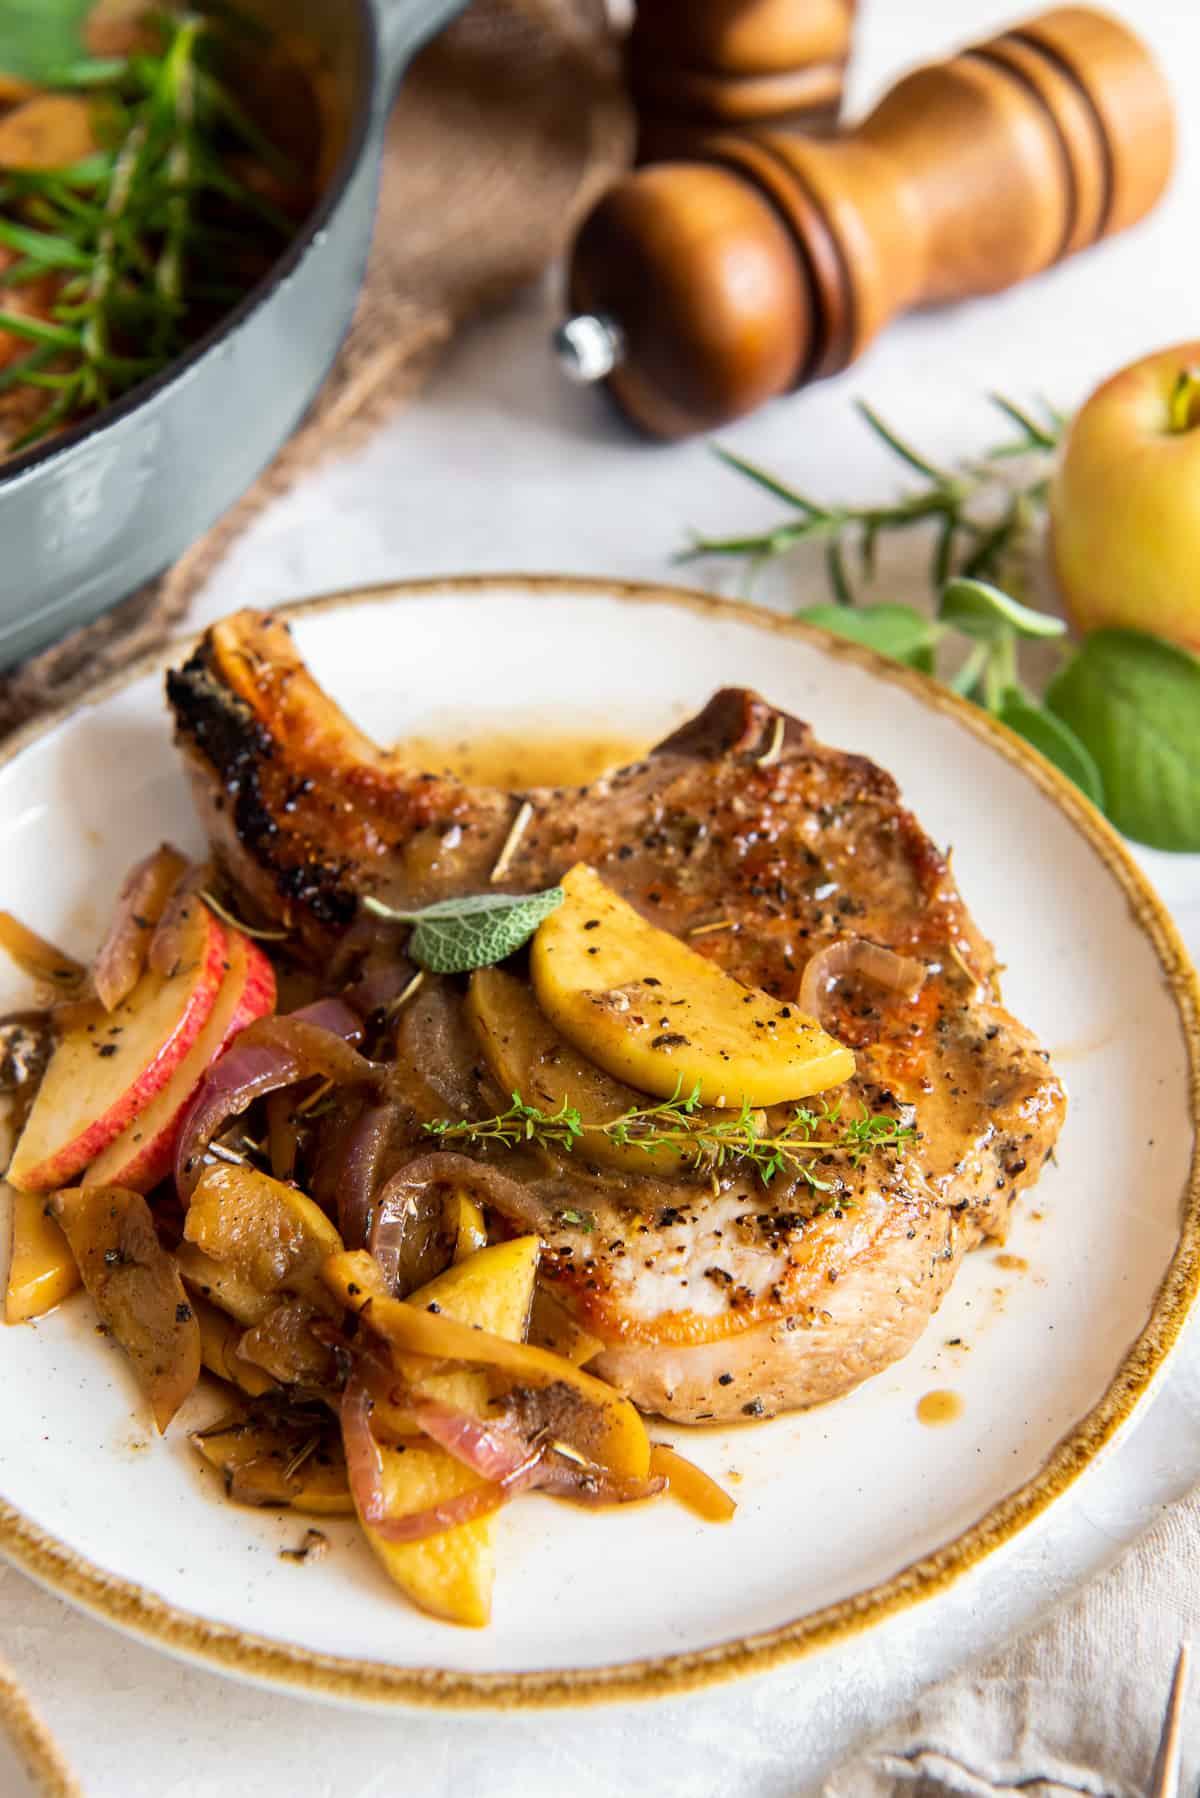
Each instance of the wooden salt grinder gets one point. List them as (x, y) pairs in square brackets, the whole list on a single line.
[(701, 289), (699, 66)]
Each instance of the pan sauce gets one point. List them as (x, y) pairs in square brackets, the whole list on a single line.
[(517, 759)]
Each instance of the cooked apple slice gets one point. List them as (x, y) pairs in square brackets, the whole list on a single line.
[(526, 1053), (267, 1464), (492, 1289), (603, 1426), (452, 1574), (145, 890), (225, 1286), (649, 1009), (220, 1336), (136, 1288), (103, 1073), (41, 1269), (264, 1233), (285, 1346), (144, 1152)]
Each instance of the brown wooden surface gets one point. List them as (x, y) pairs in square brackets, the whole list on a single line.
[(969, 175)]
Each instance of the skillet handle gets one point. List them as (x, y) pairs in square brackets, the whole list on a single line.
[(403, 26)]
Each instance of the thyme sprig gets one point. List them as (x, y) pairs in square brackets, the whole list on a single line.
[(983, 515), (139, 238), (705, 1143)]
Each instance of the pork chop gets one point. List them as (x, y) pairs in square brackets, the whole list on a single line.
[(713, 1295)]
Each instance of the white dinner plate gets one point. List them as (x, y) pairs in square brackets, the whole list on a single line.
[(846, 1514)]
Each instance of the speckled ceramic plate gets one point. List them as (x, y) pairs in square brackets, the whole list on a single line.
[(847, 1514)]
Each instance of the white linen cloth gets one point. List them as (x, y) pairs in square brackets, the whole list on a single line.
[(1075, 1706)]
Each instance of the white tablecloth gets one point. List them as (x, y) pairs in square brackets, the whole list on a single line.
[(500, 465)]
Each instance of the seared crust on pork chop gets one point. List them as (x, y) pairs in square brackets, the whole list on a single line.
[(714, 1296)]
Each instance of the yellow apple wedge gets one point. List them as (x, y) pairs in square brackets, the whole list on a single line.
[(652, 1011), (41, 1268), (268, 1236), (491, 1290), (104, 1072), (611, 1431), (144, 1152), (220, 1336), (226, 1286), (451, 1575), (258, 1465), (528, 1054)]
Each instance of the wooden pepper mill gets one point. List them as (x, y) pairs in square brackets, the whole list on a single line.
[(699, 66), (701, 289)]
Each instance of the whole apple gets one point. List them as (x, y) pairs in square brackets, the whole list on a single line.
[(1125, 501)]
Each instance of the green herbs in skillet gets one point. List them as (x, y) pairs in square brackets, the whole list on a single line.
[(140, 196)]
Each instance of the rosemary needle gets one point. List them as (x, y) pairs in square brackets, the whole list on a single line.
[(981, 516)]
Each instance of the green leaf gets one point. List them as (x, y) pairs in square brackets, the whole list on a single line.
[(452, 936), (1056, 741), (1134, 701), (980, 610), (38, 37), (897, 631)]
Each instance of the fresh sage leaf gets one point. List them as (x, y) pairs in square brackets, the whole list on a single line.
[(1056, 741), (453, 936), (1134, 701), (980, 610), (897, 631), (39, 37)]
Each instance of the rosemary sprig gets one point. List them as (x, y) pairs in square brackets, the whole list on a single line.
[(707, 1144), (119, 233), (982, 515)]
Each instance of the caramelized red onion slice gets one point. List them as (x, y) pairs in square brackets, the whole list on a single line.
[(500, 1451), (364, 1468), (272, 1053), (855, 955), (488, 1446), (333, 1015), (413, 1230), (583, 1483), (362, 1150), (412, 1233)]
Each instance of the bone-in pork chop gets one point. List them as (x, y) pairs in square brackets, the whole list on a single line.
[(714, 1296)]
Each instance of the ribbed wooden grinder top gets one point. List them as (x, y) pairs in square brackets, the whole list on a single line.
[(773, 258), (695, 66)]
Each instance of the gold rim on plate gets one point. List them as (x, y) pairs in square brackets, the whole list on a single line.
[(236, 1651), (32, 1742)]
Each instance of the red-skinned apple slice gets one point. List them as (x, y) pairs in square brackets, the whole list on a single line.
[(144, 1153), (101, 1074)]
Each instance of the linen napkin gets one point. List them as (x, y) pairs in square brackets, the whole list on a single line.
[(1074, 1706)]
